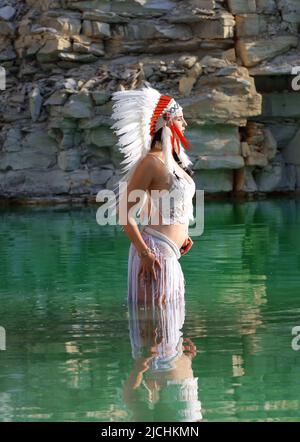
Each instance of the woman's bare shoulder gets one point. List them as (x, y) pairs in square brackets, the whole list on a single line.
[(145, 172), (152, 160), (157, 158)]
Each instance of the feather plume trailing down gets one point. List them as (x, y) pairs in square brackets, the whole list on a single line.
[(167, 148)]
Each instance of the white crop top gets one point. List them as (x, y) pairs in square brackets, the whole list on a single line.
[(174, 205)]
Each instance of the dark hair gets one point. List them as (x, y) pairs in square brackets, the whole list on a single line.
[(157, 137)]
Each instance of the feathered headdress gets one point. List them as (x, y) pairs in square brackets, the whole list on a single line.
[(138, 115)]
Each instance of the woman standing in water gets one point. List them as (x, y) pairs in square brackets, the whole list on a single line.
[(150, 128)]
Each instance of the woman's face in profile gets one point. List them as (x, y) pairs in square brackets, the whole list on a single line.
[(180, 122)]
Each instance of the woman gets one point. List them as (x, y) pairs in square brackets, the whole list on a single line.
[(150, 128)]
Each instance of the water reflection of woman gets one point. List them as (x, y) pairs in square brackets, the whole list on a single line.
[(161, 385)]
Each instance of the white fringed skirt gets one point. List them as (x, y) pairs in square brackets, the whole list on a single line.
[(170, 282)]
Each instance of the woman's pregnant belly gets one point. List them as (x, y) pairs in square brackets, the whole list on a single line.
[(177, 233)]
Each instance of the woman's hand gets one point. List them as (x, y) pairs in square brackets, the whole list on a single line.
[(189, 348), (148, 265), (186, 246)]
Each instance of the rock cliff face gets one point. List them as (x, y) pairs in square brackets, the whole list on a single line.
[(232, 65)]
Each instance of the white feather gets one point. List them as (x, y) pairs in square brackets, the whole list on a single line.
[(132, 112)]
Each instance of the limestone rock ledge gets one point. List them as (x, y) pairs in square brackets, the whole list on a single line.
[(232, 64)]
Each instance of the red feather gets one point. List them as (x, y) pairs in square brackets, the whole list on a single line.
[(161, 105), (178, 132)]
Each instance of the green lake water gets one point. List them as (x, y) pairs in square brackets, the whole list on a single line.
[(63, 305)]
